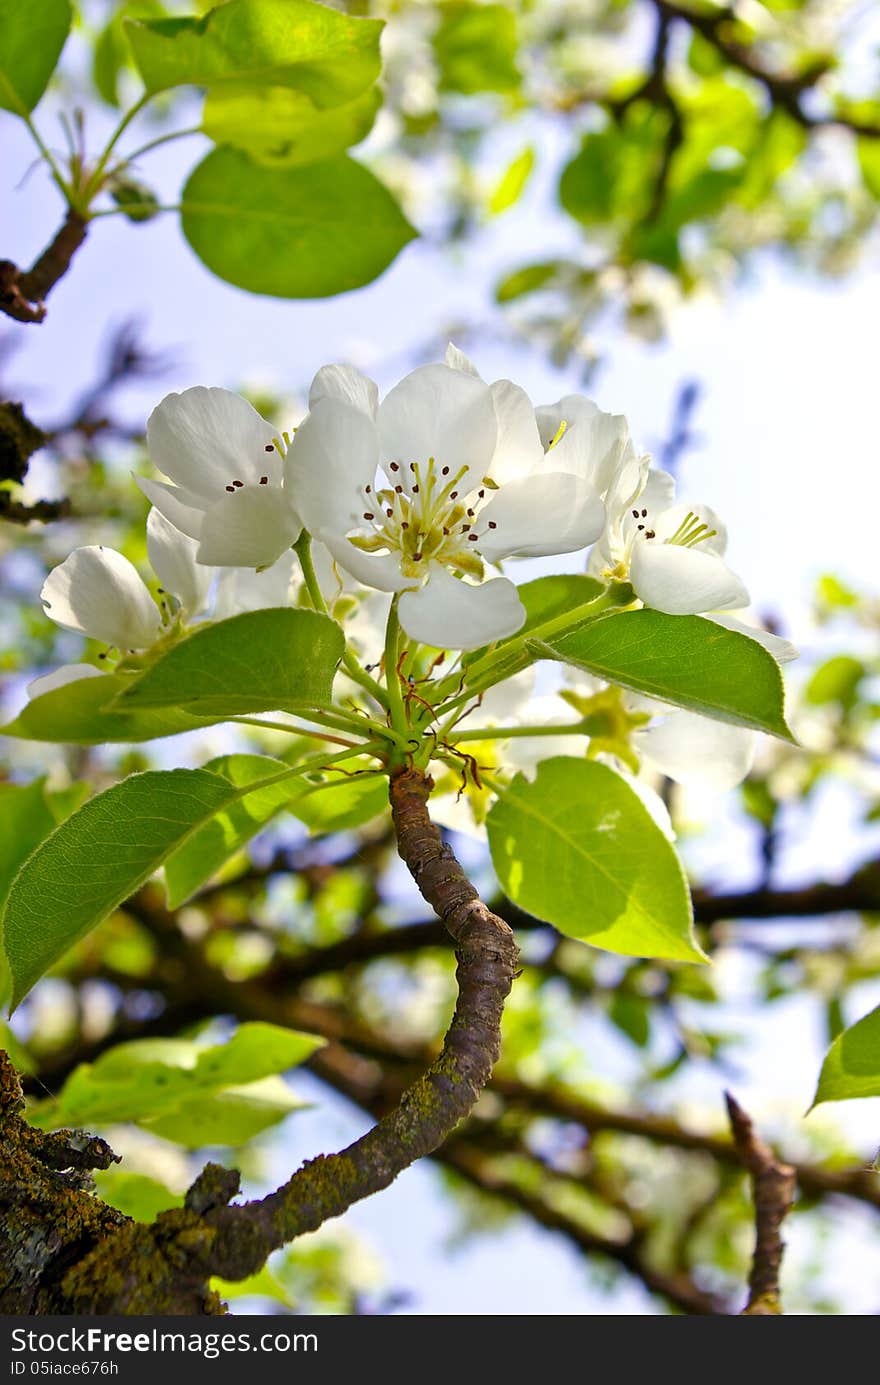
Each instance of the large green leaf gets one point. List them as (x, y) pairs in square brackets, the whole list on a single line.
[(331, 804), (275, 659), (209, 848), (852, 1063), (231, 1117), (280, 43), (98, 857), (578, 848), (686, 660), (280, 127), (299, 232), (111, 51), (544, 599), (87, 713), (26, 819), (184, 1090), (340, 807), (32, 35)]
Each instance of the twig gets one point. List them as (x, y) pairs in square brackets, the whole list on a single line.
[(22, 292), (774, 1185)]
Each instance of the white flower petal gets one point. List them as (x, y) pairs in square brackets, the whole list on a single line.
[(683, 581), (592, 443), (571, 409), (658, 493), (204, 439), (559, 514), (672, 519), (507, 703), (441, 413), (99, 593), (378, 570), (457, 360), (173, 559), (333, 457), (183, 509), (242, 589), (518, 451), (692, 749), (346, 385), (59, 678), (447, 613), (454, 812), (783, 651), (250, 528)]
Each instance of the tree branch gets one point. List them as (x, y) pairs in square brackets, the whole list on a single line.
[(22, 292), (164, 1267), (774, 1185)]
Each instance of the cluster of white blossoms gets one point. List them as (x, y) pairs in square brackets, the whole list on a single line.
[(422, 495)]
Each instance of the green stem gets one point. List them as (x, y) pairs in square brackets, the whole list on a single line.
[(155, 207), (504, 733), (303, 550), (307, 731), (94, 181), (615, 594), (163, 139), (345, 721), (392, 681), (46, 153)]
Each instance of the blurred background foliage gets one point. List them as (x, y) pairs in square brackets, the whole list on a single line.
[(661, 147)]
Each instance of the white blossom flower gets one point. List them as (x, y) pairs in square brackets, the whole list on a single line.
[(98, 592), (226, 465), (420, 493), (60, 678), (242, 589), (672, 554)]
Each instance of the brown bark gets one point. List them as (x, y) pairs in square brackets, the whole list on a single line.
[(96, 1261), (22, 291), (774, 1186)]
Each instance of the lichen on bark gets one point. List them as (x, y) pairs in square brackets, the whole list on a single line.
[(63, 1250)]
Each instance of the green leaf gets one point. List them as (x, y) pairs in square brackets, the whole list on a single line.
[(135, 1194), (271, 660), (475, 48), (686, 660), (280, 127), (263, 1284), (27, 815), (98, 857), (87, 713), (26, 819), (185, 1091), (231, 1118), (837, 680), (869, 164), (512, 183), (209, 848), (852, 1063), (111, 55), (529, 279), (577, 848), (630, 1014), (280, 43), (32, 35), (300, 232), (612, 177), (342, 806), (546, 598)]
